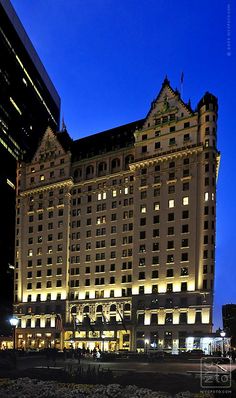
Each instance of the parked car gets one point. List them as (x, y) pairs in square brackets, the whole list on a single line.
[(197, 352)]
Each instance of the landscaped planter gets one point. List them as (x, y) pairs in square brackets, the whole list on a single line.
[(30, 388)]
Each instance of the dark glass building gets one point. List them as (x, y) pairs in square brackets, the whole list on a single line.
[(28, 104), (229, 321)]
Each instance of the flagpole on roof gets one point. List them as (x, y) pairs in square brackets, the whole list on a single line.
[(182, 85)]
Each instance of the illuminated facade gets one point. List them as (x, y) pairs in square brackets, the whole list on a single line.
[(28, 104), (116, 233)]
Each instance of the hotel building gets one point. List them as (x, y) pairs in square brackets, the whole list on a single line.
[(115, 233)]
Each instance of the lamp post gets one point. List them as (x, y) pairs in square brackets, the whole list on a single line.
[(103, 337), (14, 322), (73, 316), (222, 333), (146, 345)]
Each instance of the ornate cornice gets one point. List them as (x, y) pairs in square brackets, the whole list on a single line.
[(167, 155), (48, 187)]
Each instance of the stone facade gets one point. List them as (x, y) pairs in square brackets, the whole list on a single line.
[(115, 233)]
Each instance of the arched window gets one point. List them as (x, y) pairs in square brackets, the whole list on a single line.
[(129, 159), (89, 171), (115, 163), (86, 309), (73, 310), (102, 167), (99, 308), (77, 173), (113, 307)]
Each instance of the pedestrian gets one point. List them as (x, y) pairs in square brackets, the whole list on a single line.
[(94, 353)]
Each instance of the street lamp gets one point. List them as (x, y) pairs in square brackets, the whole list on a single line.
[(103, 337), (222, 334), (14, 322), (146, 345)]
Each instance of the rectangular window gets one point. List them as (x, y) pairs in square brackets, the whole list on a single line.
[(185, 200), (184, 257), (186, 137), (170, 258), (143, 208), (155, 260), (184, 271), (169, 273), (171, 216), (144, 149), (155, 274), (185, 228), (185, 214), (169, 287), (155, 246), (185, 186), (141, 275), (171, 189)]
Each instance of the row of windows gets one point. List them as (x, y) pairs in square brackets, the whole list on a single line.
[(172, 141), (158, 167), (143, 210), (143, 207), (154, 320), (102, 207), (38, 285), (50, 214), (101, 281), (102, 167), (41, 195), (128, 278), (52, 163), (153, 303), (102, 231), (39, 262), (49, 272), (47, 309), (125, 266), (171, 176), (183, 318), (51, 174), (125, 252), (76, 235), (101, 186)]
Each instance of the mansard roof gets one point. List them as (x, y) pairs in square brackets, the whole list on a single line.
[(123, 136), (65, 140), (105, 141)]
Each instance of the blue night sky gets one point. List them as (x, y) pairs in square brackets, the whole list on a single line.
[(108, 58)]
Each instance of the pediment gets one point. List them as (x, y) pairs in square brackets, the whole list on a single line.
[(168, 102), (49, 147)]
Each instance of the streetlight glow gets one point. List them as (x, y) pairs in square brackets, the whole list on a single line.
[(14, 321)]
